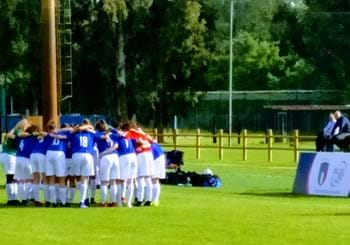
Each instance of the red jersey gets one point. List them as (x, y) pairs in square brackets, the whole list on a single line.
[(143, 141)]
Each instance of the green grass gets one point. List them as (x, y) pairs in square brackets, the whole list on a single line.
[(254, 206)]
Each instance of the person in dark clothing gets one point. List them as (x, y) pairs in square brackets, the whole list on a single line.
[(341, 130)]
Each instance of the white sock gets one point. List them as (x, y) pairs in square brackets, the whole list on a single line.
[(46, 192), (14, 191), (83, 192), (113, 190), (148, 189), (57, 193), (92, 187), (8, 192), (52, 195), (129, 193), (21, 191), (103, 189), (71, 194), (63, 194), (29, 190), (12, 188), (140, 192), (35, 190), (119, 193), (123, 190), (156, 192)]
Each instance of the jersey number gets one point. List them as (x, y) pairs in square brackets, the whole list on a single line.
[(56, 142), (83, 141), (21, 145)]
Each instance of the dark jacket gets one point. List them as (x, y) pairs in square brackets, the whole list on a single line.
[(343, 124)]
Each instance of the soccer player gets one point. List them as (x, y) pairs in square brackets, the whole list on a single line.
[(25, 143), (37, 161), (82, 144), (55, 166), (158, 171), (128, 165), (144, 166), (8, 160), (71, 180), (109, 165), (93, 179)]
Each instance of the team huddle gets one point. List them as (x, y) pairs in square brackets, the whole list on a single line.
[(126, 162)]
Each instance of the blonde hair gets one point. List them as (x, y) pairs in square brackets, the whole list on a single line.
[(23, 124)]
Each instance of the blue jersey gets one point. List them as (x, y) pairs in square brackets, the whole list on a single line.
[(102, 144), (42, 144), (125, 146), (25, 145), (69, 150), (58, 144), (157, 150), (83, 142)]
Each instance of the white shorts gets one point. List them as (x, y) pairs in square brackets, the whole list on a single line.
[(83, 164), (158, 167), (96, 158), (37, 161), (70, 167), (109, 167), (128, 166), (144, 164), (23, 169), (55, 164), (9, 163)]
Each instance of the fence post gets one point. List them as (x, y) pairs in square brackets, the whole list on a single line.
[(155, 134), (175, 133), (269, 145), (296, 145), (245, 144), (221, 150), (198, 144)]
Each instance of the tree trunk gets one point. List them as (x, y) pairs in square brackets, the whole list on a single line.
[(121, 105)]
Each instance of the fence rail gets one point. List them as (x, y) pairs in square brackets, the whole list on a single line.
[(269, 139)]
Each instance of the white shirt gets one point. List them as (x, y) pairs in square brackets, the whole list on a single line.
[(327, 131)]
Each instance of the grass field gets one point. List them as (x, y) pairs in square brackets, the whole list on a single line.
[(254, 206)]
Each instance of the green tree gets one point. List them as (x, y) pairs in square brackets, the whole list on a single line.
[(326, 34), (99, 45), (168, 68), (20, 51)]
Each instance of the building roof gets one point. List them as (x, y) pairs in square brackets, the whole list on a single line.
[(308, 107)]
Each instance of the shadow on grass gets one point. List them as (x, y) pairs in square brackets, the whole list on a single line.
[(273, 194), (340, 214), (284, 194), (29, 206)]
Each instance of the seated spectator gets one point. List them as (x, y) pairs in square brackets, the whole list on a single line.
[(341, 130), (323, 138)]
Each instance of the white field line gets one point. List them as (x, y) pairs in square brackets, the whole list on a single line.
[(247, 166), (264, 175)]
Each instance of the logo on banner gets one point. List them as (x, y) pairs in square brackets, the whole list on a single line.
[(338, 173), (322, 173)]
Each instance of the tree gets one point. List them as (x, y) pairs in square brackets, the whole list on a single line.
[(20, 51), (169, 67), (102, 25), (326, 34)]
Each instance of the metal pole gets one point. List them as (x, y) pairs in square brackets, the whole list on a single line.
[(49, 62), (230, 75)]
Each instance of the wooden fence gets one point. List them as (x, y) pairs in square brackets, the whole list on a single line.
[(268, 139)]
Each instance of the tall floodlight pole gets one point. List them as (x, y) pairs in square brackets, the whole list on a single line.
[(49, 62), (230, 75)]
